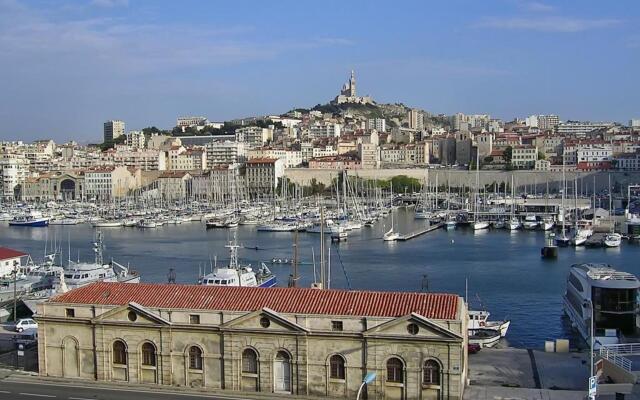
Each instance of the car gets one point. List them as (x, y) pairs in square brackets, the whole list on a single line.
[(473, 348), (26, 323)]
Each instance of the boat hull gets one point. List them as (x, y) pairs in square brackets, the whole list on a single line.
[(38, 223)]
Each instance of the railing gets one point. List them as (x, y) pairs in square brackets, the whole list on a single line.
[(616, 354)]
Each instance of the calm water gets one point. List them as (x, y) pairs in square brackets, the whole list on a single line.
[(504, 270)]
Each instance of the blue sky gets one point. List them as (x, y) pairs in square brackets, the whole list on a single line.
[(66, 67)]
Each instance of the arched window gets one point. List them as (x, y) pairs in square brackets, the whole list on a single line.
[(395, 370), (149, 354), (431, 373), (336, 364), (119, 352), (195, 358), (249, 361)]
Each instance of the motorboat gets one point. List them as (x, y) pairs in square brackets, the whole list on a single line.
[(130, 222), (107, 223), (451, 224), (479, 225), (547, 224), (235, 274), (485, 337), (600, 294), (277, 227), (530, 222), (147, 223), (31, 219), (612, 240), (514, 224), (479, 319), (499, 224)]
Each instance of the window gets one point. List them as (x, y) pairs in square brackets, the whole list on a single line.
[(70, 312), (148, 354), (249, 361), (394, 370), (194, 319), (431, 373), (195, 358), (336, 326), (119, 353), (132, 316), (264, 322), (336, 364), (413, 329)]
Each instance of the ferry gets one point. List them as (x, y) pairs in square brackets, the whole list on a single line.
[(238, 275), (611, 295), (32, 219)]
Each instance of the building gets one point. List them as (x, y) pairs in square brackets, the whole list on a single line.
[(186, 122), (174, 185), (219, 183), (379, 124), (416, 119), (136, 139), (634, 123), (225, 153), (10, 261), (105, 184), (348, 93), (579, 128), (278, 340), (14, 170), (627, 161), (144, 159), (543, 122), (542, 165), (447, 150), (335, 162), (369, 155), (594, 158), (324, 130), (524, 156), (254, 136), (262, 175), (112, 130), (63, 186)]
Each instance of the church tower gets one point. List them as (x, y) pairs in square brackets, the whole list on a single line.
[(352, 84)]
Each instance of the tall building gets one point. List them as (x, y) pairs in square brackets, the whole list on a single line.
[(634, 123), (416, 120), (112, 130), (379, 124), (136, 139)]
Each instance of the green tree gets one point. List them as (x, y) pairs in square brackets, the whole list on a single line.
[(508, 153), (541, 156)]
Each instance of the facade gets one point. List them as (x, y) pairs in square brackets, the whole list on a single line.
[(379, 124), (263, 174), (136, 139), (225, 153), (594, 158), (219, 183), (54, 187), (110, 183), (628, 162), (277, 340), (416, 120), (14, 170), (524, 156), (580, 128), (369, 155), (174, 185), (144, 159), (324, 130), (254, 136), (112, 130), (185, 122), (348, 93), (335, 162), (10, 260)]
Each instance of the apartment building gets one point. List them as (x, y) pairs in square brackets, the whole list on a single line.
[(262, 175), (524, 156), (254, 136), (14, 169), (594, 158), (225, 153), (106, 184), (324, 130), (113, 129)]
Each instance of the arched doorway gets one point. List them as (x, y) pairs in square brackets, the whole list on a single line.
[(68, 189), (282, 373), (70, 358)]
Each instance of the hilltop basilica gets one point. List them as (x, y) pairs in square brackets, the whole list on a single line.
[(348, 93)]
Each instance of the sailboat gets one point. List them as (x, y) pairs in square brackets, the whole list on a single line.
[(391, 235), (478, 225), (562, 240), (612, 239)]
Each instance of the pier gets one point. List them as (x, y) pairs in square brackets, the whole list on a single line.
[(420, 232)]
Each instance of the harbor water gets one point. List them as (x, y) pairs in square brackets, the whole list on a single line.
[(503, 270)]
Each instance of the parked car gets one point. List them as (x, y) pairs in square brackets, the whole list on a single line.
[(26, 323), (473, 348)]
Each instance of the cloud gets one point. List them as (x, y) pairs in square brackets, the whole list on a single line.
[(537, 6), (547, 24), (110, 3)]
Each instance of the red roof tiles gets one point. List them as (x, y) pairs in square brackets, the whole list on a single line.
[(7, 253), (283, 300)]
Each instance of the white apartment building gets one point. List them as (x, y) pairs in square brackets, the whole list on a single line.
[(181, 159), (291, 158), (579, 128), (254, 136), (416, 119), (379, 124), (323, 152), (225, 153), (136, 139), (320, 130), (112, 130), (543, 122), (369, 155), (634, 123), (106, 184), (185, 122), (144, 159), (594, 157), (14, 169), (263, 174), (628, 161), (524, 156)]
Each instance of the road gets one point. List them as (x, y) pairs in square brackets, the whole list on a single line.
[(32, 389)]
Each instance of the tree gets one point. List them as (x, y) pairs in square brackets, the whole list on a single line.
[(508, 152), (541, 156)]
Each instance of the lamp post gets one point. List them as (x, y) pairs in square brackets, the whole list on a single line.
[(590, 304), (15, 296), (367, 379)]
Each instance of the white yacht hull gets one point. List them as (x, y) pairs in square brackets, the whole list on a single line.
[(479, 225)]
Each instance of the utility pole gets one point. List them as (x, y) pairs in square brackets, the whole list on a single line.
[(15, 294)]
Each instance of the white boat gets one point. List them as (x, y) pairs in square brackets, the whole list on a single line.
[(580, 236), (390, 236), (235, 274), (130, 222), (499, 224), (611, 295), (479, 225), (485, 337), (113, 223), (64, 221), (423, 214), (147, 223), (530, 222), (514, 224), (480, 319), (548, 224), (451, 224), (612, 240), (277, 227)]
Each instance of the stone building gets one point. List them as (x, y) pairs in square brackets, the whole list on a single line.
[(277, 340)]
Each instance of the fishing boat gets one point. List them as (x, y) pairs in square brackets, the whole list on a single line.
[(484, 337), (235, 274), (479, 319), (31, 219)]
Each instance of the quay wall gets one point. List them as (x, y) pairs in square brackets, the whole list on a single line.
[(524, 180)]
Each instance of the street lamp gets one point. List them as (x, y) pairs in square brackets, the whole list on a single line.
[(367, 379)]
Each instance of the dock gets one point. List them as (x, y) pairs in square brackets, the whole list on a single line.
[(420, 232)]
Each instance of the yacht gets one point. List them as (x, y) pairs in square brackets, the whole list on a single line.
[(514, 224), (612, 240), (547, 223), (238, 275), (530, 222), (147, 223), (580, 236), (479, 225), (77, 274), (64, 221), (499, 224), (107, 223), (451, 224), (609, 294), (31, 219)]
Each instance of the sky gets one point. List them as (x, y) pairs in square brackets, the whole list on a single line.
[(68, 66)]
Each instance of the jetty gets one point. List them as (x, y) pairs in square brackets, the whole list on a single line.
[(420, 232)]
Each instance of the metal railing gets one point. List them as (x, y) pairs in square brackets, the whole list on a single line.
[(616, 354)]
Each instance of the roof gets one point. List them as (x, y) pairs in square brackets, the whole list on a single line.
[(262, 160), (7, 253), (282, 300)]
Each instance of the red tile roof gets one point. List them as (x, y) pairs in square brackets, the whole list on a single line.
[(283, 300), (7, 253), (262, 160)]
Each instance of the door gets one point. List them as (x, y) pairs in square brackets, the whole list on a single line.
[(282, 373), (71, 359)]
